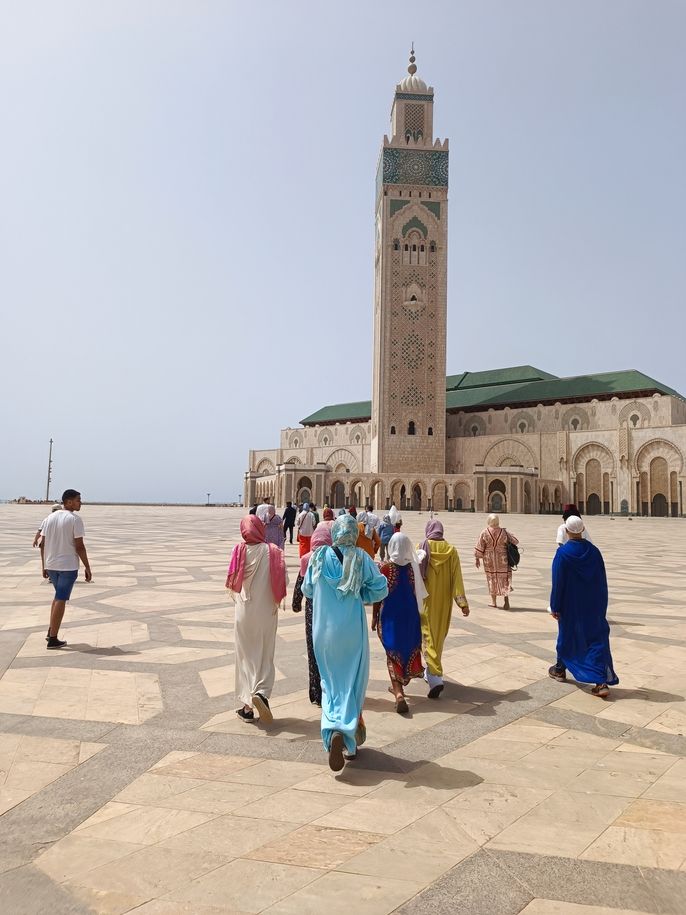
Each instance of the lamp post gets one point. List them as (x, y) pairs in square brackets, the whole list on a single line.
[(47, 488), (208, 498)]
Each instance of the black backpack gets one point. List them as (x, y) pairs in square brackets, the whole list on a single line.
[(512, 555)]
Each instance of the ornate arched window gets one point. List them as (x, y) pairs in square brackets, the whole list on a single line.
[(411, 428), (430, 430), (392, 430)]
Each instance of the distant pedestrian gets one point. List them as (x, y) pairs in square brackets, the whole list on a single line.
[(567, 512), (372, 519), (491, 547), (439, 564), (321, 537), (578, 601), (396, 618), (385, 532), (306, 526), (257, 576), (396, 518), (313, 509), (352, 511), (289, 515), (61, 549), (328, 515), (367, 539), (340, 580), (253, 510), (273, 528)]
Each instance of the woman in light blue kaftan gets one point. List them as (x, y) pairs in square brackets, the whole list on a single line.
[(340, 580)]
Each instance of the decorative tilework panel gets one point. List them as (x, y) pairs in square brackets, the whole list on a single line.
[(397, 205), (415, 166), (415, 223), (414, 97), (433, 207)]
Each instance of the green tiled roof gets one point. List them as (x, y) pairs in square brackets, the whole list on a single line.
[(515, 386), (517, 373), (361, 411)]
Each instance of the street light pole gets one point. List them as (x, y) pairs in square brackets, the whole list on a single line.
[(47, 488), (208, 498)]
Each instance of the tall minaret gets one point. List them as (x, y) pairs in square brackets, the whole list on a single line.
[(410, 300)]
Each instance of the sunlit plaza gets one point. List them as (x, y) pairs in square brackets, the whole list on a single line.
[(127, 783)]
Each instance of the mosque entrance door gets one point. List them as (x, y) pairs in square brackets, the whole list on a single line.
[(417, 497), (338, 495), (593, 504), (658, 508)]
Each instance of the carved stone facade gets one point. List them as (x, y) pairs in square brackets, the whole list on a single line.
[(509, 440)]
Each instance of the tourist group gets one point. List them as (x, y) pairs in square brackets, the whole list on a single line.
[(411, 590)]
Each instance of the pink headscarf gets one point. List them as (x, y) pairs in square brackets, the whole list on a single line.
[(321, 537), (252, 532), (432, 531)]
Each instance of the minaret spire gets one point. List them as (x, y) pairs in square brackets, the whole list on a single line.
[(412, 69)]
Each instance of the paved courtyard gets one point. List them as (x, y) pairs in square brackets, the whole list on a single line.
[(128, 784)]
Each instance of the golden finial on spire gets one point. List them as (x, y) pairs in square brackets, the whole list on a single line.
[(412, 69)]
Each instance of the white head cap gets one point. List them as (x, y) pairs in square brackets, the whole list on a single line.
[(574, 525)]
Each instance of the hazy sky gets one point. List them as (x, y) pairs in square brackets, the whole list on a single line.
[(186, 215)]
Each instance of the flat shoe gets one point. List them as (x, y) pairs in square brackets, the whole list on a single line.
[(401, 706), (263, 710), (246, 716), (555, 674), (435, 691), (602, 691), (336, 760)]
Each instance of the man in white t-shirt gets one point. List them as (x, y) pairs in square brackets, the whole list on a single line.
[(61, 549), (306, 524)]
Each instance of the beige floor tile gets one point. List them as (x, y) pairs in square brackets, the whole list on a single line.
[(218, 797), (291, 806), (643, 847), (419, 853), (650, 814), (485, 810), (250, 886), (336, 891), (146, 825), (274, 772), (605, 781), (210, 766), (316, 846), (564, 824), (10, 797), (386, 810), (75, 855), (352, 781), (167, 907), (104, 902), (497, 749), (228, 837), (520, 772), (150, 788), (149, 872)]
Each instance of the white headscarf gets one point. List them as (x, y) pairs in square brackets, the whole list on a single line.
[(263, 512), (394, 515), (401, 553)]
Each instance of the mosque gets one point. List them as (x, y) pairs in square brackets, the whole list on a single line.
[(512, 439)]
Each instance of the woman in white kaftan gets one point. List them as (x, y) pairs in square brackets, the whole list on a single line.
[(257, 577)]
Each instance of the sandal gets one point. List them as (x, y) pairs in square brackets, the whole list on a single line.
[(360, 733), (602, 690), (336, 760), (401, 706)]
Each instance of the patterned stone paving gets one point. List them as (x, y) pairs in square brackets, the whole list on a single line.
[(128, 784)]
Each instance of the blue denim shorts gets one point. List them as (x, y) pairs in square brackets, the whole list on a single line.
[(62, 582)]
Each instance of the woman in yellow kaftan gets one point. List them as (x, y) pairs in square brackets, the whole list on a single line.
[(442, 574)]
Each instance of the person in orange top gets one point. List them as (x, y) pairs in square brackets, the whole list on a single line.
[(368, 539)]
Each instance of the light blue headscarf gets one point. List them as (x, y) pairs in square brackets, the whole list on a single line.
[(344, 533)]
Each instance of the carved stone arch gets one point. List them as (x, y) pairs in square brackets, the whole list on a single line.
[(294, 460), (522, 416), (472, 422), (417, 217), (575, 413), (635, 409), (659, 447), (593, 451), (376, 494), (343, 456), (325, 437), (296, 439), (510, 448), (265, 467), (462, 496), (354, 432)]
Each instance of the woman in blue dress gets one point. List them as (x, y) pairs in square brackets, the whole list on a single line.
[(340, 580), (397, 618)]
